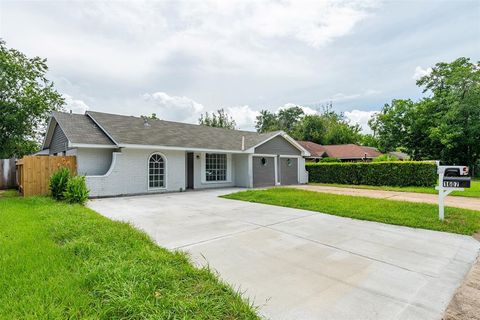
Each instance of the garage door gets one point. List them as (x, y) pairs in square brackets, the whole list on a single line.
[(288, 171), (263, 171)]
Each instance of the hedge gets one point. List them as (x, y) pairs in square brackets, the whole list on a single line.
[(388, 173)]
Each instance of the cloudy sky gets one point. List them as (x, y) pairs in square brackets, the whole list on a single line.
[(179, 59)]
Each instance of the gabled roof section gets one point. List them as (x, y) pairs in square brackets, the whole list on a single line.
[(128, 131), (316, 150), (78, 128)]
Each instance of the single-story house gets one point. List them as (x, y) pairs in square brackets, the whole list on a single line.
[(343, 152), (125, 155)]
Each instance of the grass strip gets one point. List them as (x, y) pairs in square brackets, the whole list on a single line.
[(410, 214), (473, 192), (61, 261)]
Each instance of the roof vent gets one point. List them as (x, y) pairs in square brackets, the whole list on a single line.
[(243, 143), (145, 122)]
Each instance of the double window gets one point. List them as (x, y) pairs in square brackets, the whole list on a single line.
[(156, 171), (215, 167)]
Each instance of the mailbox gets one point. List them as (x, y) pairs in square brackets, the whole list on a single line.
[(450, 178), (453, 171), (456, 182)]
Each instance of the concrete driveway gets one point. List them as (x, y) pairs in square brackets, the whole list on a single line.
[(298, 264)]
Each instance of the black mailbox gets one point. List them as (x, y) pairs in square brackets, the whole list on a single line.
[(456, 182)]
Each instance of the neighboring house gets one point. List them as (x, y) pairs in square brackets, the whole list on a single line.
[(343, 152), (121, 155)]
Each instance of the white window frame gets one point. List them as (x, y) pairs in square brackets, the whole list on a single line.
[(165, 177), (203, 164)]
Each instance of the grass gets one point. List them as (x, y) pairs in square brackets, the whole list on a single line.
[(473, 192), (61, 261), (416, 215)]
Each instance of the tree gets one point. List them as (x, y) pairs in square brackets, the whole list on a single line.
[(369, 140), (27, 98), (326, 127), (339, 131), (391, 123), (288, 118), (311, 128), (444, 125), (152, 116), (220, 119), (267, 121)]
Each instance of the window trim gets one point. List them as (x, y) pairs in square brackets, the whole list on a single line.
[(203, 167), (165, 174)]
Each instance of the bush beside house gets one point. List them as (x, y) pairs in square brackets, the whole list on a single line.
[(76, 190), (395, 173), (58, 183), (72, 189)]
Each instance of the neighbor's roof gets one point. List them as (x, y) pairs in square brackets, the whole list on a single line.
[(102, 128), (79, 128), (340, 151), (316, 150)]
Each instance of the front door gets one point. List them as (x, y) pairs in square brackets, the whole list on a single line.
[(190, 170)]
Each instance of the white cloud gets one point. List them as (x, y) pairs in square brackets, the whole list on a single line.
[(174, 108), (420, 72), (360, 117), (134, 40), (306, 110), (244, 116), (184, 109), (76, 106)]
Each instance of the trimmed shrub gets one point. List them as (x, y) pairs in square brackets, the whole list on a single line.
[(395, 173), (58, 182), (76, 191)]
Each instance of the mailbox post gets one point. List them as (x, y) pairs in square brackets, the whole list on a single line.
[(450, 178)]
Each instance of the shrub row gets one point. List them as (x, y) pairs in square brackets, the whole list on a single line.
[(394, 173)]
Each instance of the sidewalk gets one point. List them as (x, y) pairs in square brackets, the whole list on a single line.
[(450, 201)]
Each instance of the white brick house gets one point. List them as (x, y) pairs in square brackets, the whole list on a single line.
[(122, 155)]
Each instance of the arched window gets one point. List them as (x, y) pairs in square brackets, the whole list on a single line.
[(156, 171)]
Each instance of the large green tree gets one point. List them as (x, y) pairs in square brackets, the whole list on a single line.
[(285, 119), (443, 125), (27, 98), (325, 127), (267, 121), (219, 119)]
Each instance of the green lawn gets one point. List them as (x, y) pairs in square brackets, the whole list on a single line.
[(417, 215), (473, 192), (60, 261)]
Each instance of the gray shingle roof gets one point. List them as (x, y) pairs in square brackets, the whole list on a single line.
[(80, 128), (132, 130)]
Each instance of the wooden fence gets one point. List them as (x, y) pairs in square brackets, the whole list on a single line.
[(34, 172), (8, 178)]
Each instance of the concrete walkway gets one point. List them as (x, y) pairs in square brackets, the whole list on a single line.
[(297, 264), (451, 201)]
